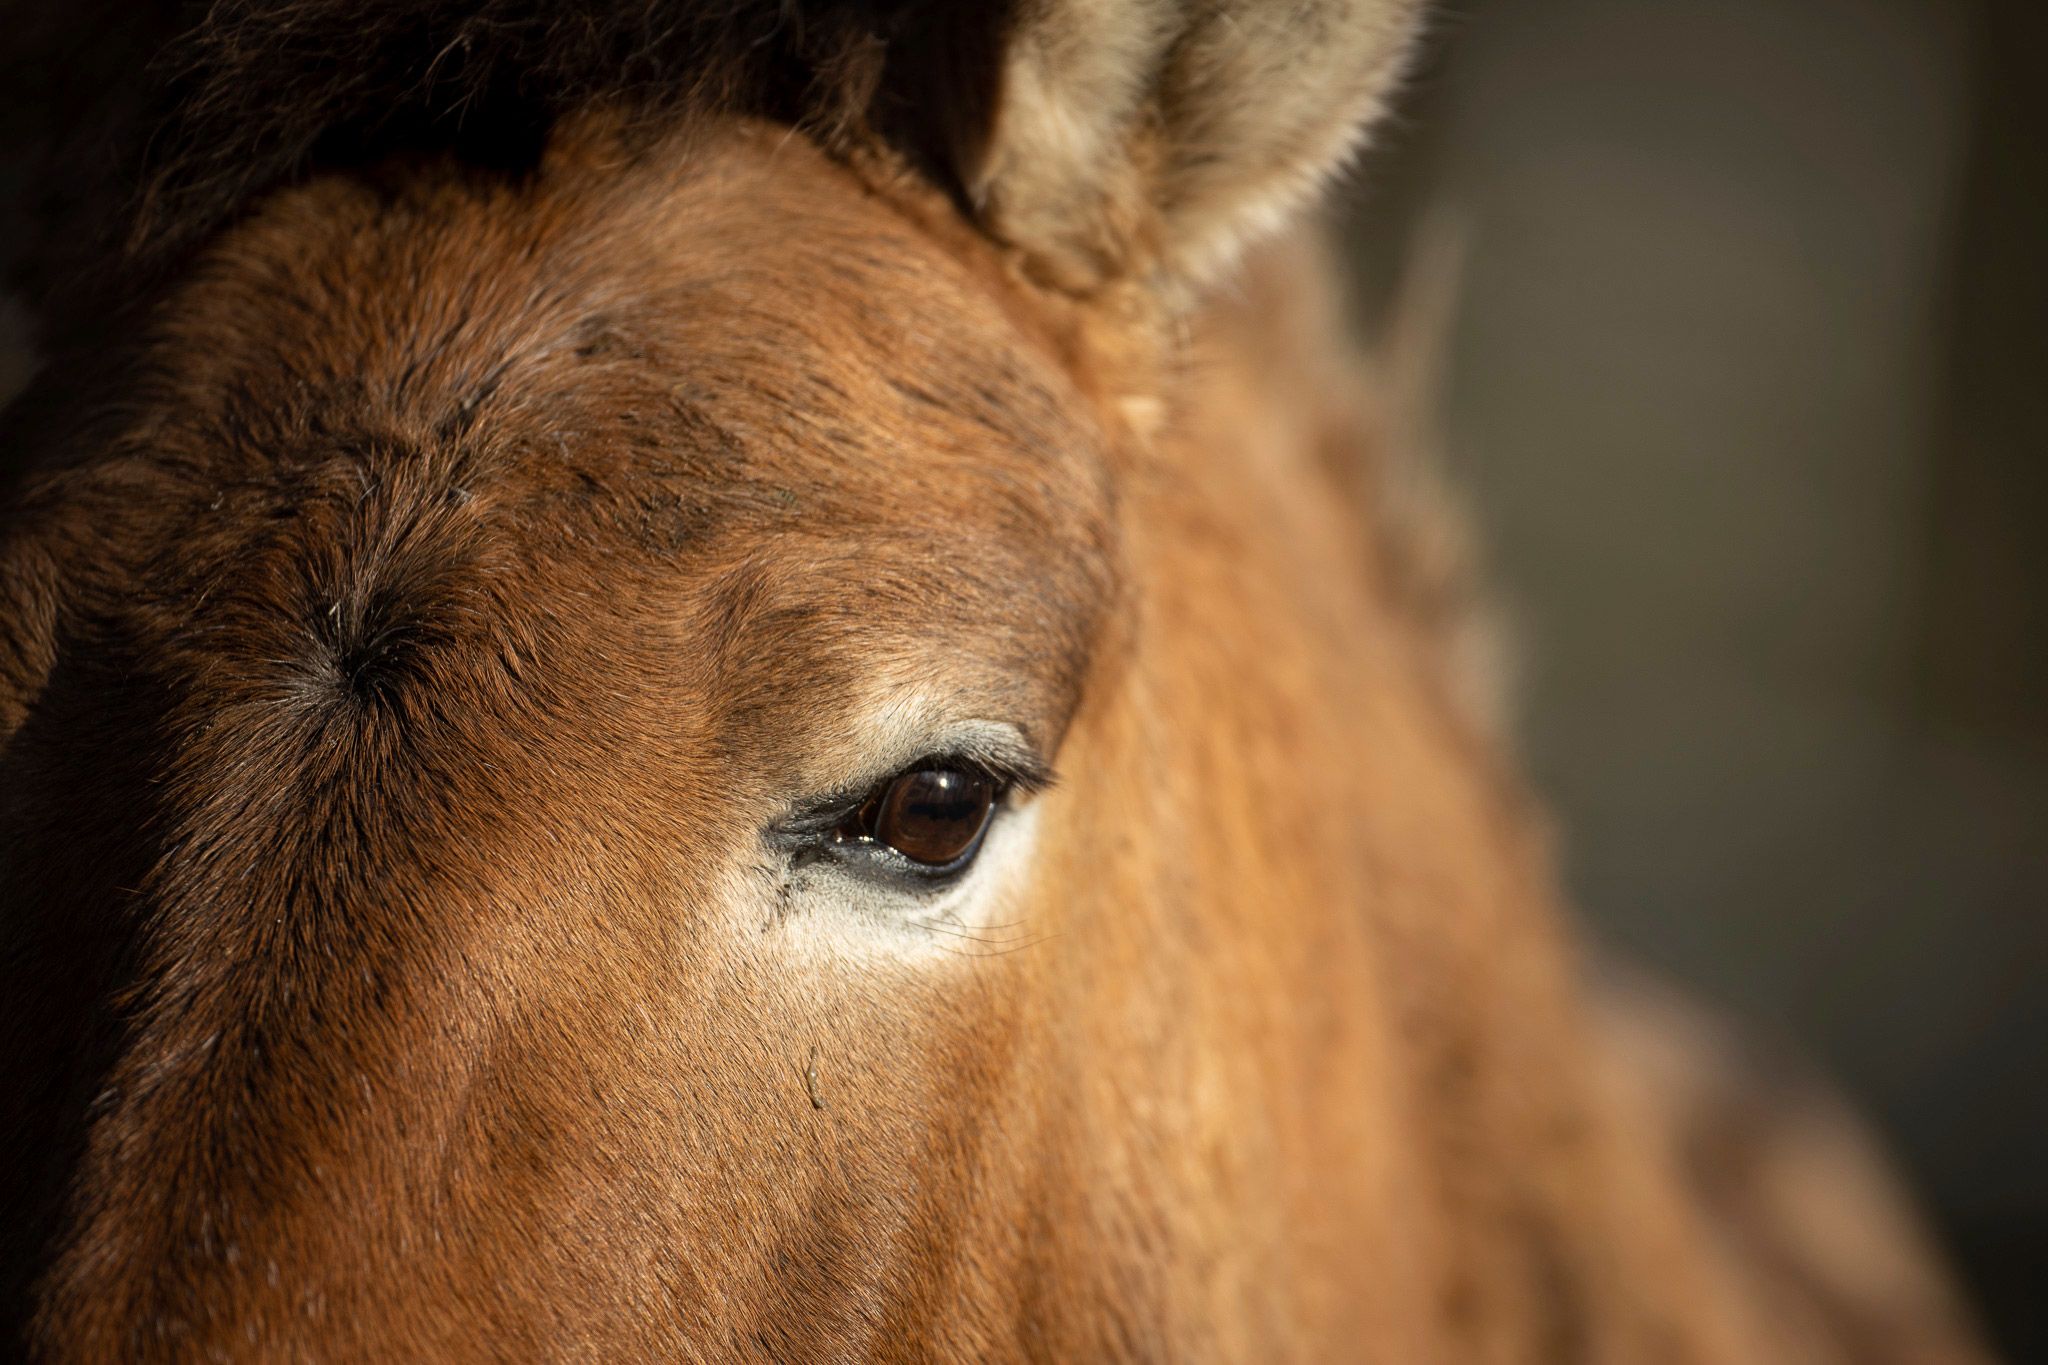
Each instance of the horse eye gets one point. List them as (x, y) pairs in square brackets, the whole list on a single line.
[(933, 816)]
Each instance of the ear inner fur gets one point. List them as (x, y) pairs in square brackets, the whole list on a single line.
[(1161, 135)]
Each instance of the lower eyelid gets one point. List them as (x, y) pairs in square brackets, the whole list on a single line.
[(883, 861)]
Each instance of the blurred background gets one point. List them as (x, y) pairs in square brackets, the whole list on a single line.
[(1744, 383)]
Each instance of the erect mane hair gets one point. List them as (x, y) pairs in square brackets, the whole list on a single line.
[(147, 125)]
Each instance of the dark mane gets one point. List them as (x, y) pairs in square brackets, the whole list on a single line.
[(145, 126)]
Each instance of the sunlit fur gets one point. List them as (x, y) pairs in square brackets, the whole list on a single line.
[(425, 582)]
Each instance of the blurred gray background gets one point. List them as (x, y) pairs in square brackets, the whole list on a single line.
[(1744, 383)]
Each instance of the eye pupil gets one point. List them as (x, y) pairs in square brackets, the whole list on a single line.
[(934, 816)]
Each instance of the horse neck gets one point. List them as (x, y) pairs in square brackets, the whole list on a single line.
[(1373, 889)]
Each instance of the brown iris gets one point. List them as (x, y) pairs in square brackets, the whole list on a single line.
[(932, 816)]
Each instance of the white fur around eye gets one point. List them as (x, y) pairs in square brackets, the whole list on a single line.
[(835, 908)]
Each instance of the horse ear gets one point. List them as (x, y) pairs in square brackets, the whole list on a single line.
[(1132, 137)]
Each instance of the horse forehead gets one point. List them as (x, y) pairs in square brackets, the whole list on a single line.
[(735, 381), (728, 325)]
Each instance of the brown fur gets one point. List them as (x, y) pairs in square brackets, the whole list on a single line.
[(411, 630)]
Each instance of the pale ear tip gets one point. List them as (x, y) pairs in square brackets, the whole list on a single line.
[(976, 185)]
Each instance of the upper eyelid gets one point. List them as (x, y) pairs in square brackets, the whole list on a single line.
[(999, 748), (1014, 771)]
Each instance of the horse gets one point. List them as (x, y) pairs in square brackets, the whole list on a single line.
[(767, 682)]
